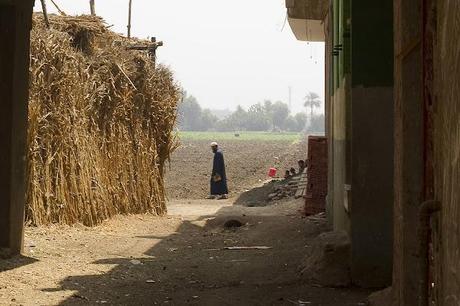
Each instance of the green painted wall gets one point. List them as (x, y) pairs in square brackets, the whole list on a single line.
[(372, 43), (341, 53), (362, 107)]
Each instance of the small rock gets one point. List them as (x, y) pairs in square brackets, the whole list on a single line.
[(135, 262)]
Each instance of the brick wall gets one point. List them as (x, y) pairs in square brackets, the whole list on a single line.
[(317, 175)]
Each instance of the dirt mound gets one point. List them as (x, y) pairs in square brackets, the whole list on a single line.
[(327, 261), (269, 193), (258, 196)]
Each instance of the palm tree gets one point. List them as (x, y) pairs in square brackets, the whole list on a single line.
[(312, 101)]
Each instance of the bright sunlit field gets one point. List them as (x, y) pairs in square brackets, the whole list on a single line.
[(243, 136)]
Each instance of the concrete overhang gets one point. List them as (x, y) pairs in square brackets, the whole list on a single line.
[(306, 18)]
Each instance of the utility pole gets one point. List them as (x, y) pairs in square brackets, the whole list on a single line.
[(129, 18), (290, 98), (92, 7)]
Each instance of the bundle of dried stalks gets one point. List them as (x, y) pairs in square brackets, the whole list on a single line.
[(101, 122)]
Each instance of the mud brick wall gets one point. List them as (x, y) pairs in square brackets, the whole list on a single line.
[(317, 175)]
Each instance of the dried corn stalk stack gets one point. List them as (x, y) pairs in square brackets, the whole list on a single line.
[(101, 122)]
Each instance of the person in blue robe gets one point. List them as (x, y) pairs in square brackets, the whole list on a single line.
[(219, 189)]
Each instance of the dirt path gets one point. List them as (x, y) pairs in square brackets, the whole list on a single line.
[(178, 260)]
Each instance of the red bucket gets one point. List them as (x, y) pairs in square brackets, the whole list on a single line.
[(272, 172)]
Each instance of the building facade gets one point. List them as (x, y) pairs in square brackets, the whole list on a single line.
[(393, 124), (359, 112)]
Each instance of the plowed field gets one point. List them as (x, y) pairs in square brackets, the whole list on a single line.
[(247, 159)]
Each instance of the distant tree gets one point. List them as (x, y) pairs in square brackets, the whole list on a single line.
[(290, 124), (239, 118), (280, 112), (236, 121), (224, 125), (264, 116), (189, 113), (312, 101), (317, 124), (208, 121), (268, 106), (301, 120), (221, 113), (257, 118)]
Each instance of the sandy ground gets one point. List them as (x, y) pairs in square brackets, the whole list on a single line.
[(247, 164), (175, 260), (181, 259)]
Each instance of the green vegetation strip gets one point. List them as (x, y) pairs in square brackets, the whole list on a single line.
[(243, 136)]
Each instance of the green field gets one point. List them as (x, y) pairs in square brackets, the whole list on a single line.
[(244, 136)]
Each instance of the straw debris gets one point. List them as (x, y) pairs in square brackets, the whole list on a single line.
[(101, 122)]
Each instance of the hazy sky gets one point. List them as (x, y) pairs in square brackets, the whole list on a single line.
[(224, 53)]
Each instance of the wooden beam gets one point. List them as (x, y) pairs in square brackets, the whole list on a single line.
[(45, 13), (129, 18), (92, 7), (58, 8)]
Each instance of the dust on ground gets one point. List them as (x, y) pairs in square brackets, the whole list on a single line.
[(270, 192), (259, 195), (182, 259), (247, 164), (175, 260)]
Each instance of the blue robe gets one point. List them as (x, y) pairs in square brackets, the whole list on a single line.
[(219, 188)]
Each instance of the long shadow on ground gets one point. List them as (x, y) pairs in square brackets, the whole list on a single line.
[(192, 267), (15, 262)]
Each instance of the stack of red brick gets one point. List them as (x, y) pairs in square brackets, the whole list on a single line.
[(317, 175)]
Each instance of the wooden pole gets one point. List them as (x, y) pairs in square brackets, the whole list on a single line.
[(92, 7), (129, 18), (45, 13), (58, 8)]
